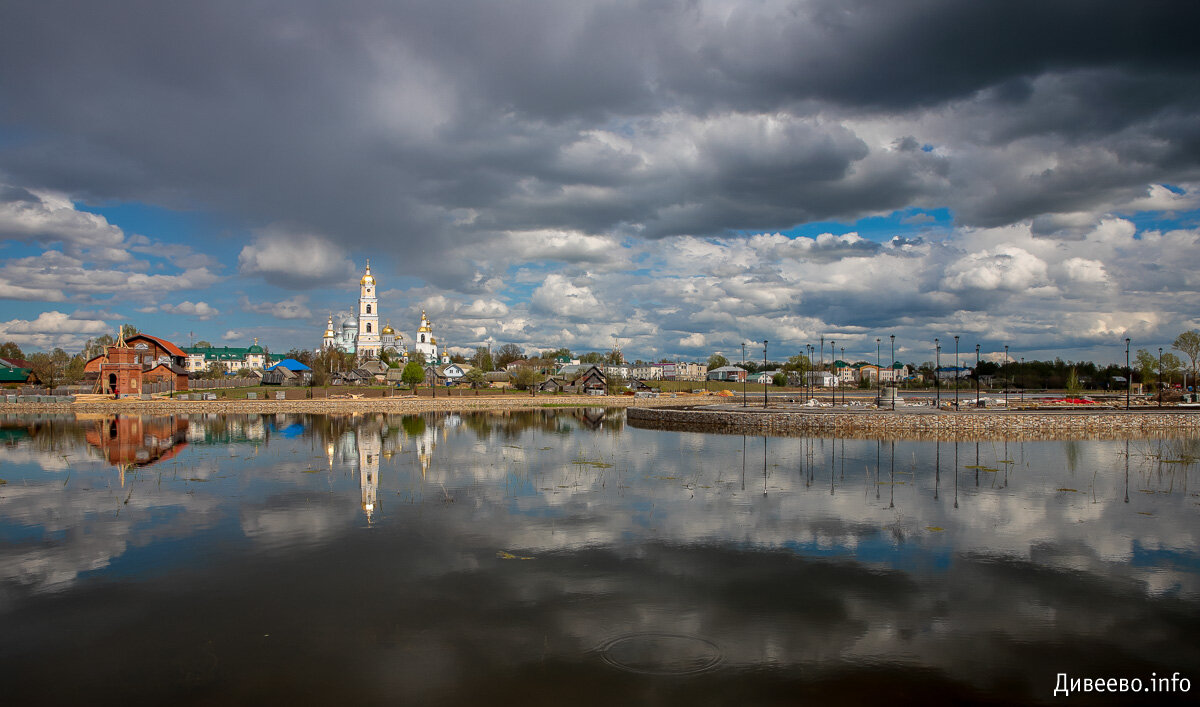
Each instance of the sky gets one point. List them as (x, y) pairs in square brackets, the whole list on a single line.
[(672, 177)]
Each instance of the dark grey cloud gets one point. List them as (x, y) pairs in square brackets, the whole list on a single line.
[(396, 126)]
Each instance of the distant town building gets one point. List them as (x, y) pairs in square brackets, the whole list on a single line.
[(228, 359)]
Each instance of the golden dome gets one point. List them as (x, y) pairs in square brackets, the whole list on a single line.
[(387, 328), (426, 325), (329, 327), (367, 279)]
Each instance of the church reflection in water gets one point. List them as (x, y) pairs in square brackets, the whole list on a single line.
[(128, 441)]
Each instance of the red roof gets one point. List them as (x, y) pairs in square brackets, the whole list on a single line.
[(17, 362), (167, 345)]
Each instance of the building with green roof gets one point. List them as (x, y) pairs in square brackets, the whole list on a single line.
[(230, 358)]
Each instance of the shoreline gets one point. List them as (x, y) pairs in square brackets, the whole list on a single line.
[(397, 405), (921, 425)]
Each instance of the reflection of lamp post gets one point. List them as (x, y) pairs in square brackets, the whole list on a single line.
[(1128, 375), (956, 371), (764, 387), (892, 366)]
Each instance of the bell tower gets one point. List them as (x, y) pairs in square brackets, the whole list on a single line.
[(368, 316)]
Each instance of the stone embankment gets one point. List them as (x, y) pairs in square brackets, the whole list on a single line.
[(396, 405), (930, 425)]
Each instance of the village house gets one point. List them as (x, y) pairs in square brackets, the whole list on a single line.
[(16, 371), (289, 371), (821, 379), (727, 373)]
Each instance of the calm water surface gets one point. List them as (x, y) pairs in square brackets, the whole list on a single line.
[(564, 557)]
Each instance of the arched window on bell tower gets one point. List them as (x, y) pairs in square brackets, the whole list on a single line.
[(368, 309), (368, 326)]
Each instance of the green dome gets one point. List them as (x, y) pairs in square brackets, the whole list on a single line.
[(255, 349)]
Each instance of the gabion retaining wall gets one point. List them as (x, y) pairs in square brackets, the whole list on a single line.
[(928, 425)]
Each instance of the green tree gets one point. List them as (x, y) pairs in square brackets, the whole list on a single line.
[(412, 374), (74, 372), (475, 378), (716, 361), (779, 380), (1188, 342), (1073, 381), (799, 362), (1146, 365), (9, 349), (592, 357), (128, 330), (205, 344), (556, 353), (525, 377), (1171, 366)]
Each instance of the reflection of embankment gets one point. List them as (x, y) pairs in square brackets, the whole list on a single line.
[(948, 427)]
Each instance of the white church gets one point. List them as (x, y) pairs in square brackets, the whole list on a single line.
[(361, 334)]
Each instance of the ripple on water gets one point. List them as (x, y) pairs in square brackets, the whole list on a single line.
[(661, 654)]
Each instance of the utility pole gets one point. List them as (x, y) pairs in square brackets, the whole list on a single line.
[(764, 366)]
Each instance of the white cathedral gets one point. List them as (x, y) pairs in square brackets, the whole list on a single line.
[(361, 335)]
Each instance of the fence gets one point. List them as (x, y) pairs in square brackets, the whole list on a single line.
[(211, 383)]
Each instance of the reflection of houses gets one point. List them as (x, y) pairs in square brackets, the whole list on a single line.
[(132, 440), (591, 418)]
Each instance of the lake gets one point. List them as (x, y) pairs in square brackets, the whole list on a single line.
[(564, 556)]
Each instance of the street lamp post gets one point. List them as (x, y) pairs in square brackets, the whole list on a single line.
[(976, 375), (1006, 376), (1022, 369), (833, 365), (956, 371), (1160, 380), (744, 376), (764, 366), (843, 349), (892, 366), (937, 373), (1128, 375), (878, 370)]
